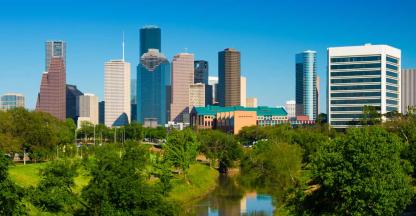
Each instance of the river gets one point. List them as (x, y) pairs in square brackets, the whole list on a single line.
[(230, 199)]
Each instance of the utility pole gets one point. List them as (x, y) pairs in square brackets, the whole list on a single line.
[(94, 134)]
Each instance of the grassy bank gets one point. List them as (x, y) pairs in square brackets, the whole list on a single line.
[(203, 180)]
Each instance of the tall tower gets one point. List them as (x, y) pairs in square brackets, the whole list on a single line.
[(243, 91), (229, 84), (182, 78), (153, 88), (306, 92), (117, 93), (52, 94), (150, 38)]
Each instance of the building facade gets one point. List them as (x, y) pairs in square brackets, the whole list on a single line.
[(182, 78), (290, 108), (213, 82), (88, 108), (229, 75), (243, 91), (318, 96), (153, 88), (72, 93), (196, 95), (408, 89), (101, 112), (12, 100), (306, 97), (117, 93), (201, 76), (150, 38), (251, 102), (361, 76), (54, 49)]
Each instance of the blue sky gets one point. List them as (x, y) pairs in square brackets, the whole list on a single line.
[(267, 32)]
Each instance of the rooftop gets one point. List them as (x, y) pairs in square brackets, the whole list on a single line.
[(260, 110)]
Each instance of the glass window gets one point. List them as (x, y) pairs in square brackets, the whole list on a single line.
[(355, 80), (346, 115), (355, 73), (392, 95), (357, 87), (353, 66), (393, 88), (389, 66), (393, 60), (355, 59), (356, 94), (351, 108), (345, 122), (391, 81), (392, 102), (361, 101), (392, 74)]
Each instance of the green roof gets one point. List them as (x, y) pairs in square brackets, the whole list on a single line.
[(261, 110)]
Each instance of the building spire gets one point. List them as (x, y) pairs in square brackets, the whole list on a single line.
[(122, 44)]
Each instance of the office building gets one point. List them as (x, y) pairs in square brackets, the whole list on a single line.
[(54, 49), (213, 81), (133, 99), (52, 93), (229, 83), (196, 95), (117, 93), (290, 108), (233, 119), (182, 78), (101, 112), (153, 88), (306, 98), (318, 98), (251, 102), (243, 92), (361, 76), (408, 89), (72, 93), (150, 38), (88, 108), (12, 100), (201, 76)]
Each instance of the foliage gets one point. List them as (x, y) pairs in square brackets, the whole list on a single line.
[(370, 116), (359, 174)]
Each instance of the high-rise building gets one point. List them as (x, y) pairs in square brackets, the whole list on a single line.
[(153, 88), (229, 83), (101, 112), (201, 76), (150, 38), (408, 89), (318, 98), (251, 102), (52, 94), (243, 90), (72, 93), (133, 95), (361, 76), (182, 78), (196, 95), (306, 98), (12, 100), (54, 49), (88, 108), (117, 93), (290, 108), (213, 81)]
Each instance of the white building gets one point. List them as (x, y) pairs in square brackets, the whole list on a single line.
[(196, 95), (213, 81), (251, 102), (361, 76), (290, 108), (243, 91), (87, 108), (11, 101), (117, 93)]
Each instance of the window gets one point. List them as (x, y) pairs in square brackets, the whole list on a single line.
[(356, 94), (356, 73), (362, 101), (353, 66), (391, 81), (346, 115), (392, 95), (389, 66), (392, 102), (356, 80), (389, 109), (355, 59), (393, 60), (393, 88), (357, 87), (345, 122), (392, 74), (351, 108)]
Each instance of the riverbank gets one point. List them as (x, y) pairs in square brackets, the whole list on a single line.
[(202, 180)]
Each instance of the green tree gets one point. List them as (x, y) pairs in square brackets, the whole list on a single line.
[(181, 149), (370, 116), (10, 194), (134, 131), (360, 174)]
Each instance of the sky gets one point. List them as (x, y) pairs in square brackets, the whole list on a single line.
[(268, 33)]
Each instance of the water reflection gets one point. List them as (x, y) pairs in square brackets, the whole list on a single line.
[(229, 199)]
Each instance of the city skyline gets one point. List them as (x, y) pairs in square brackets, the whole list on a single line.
[(267, 45)]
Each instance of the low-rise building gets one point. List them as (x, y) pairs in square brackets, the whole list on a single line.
[(233, 119)]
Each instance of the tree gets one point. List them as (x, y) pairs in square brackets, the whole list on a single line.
[(134, 131), (360, 174), (370, 116), (10, 194), (181, 149)]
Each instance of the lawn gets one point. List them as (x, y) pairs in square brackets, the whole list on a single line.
[(203, 180)]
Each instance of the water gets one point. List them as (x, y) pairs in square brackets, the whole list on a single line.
[(229, 199)]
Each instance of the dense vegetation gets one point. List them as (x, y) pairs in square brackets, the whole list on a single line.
[(308, 170)]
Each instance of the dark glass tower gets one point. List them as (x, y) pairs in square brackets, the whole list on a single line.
[(201, 76), (150, 38), (153, 88), (72, 93)]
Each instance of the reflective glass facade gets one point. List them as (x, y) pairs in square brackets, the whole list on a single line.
[(306, 94), (150, 38)]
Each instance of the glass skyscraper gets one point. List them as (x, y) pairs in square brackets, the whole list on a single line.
[(306, 89), (150, 38), (201, 76), (153, 88)]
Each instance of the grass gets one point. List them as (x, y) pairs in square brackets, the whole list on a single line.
[(203, 180)]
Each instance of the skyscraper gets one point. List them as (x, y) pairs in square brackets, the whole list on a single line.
[(243, 91), (201, 76), (88, 108), (196, 95), (251, 102), (153, 88), (12, 100), (318, 95), (229, 84), (52, 94), (182, 78), (150, 38), (72, 93), (408, 89), (213, 81), (117, 93), (290, 108), (54, 49), (361, 76), (133, 93), (306, 97)]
